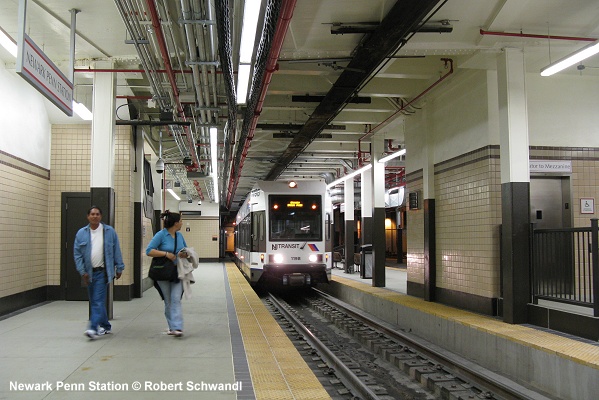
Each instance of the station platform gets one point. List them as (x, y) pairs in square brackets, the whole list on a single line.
[(232, 349), (563, 366)]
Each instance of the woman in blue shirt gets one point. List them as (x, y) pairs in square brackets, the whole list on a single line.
[(161, 245)]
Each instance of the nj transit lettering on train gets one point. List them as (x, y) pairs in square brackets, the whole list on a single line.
[(277, 246)]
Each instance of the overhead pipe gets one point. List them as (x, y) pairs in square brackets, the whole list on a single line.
[(271, 67), (161, 71), (133, 26), (532, 36), (391, 117), (169, 70)]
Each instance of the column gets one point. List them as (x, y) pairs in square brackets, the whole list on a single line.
[(428, 196), (515, 185), (138, 209), (378, 212), (348, 196), (103, 140), (366, 217), (103, 150)]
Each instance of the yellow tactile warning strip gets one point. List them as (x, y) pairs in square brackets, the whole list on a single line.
[(576, 351), (278, 371)]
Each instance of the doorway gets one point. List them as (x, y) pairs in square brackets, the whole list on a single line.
[(74, 217), (550, 202)]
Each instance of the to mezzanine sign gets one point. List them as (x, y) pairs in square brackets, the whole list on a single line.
[(37, 69), (550, 166)]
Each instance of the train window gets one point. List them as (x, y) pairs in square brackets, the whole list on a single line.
[(262, 226), (295, 217)]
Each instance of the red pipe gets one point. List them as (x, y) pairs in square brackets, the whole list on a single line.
[(271, 67), (134, 97), (441, 79), (169, 70), (527, 35), (162, 71)]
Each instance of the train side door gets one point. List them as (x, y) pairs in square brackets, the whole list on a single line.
[(259, 231)]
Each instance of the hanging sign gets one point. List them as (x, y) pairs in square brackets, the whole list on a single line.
[(37, 69)]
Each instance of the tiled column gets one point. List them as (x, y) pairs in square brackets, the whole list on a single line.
[(515, 185)]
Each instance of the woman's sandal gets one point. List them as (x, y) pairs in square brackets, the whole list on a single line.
[(177, 333)]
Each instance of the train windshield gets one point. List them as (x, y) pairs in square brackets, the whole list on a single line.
[(295, 217)]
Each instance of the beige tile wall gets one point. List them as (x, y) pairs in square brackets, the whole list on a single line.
[(147, 235), (415, 228), (70, 166), (200, 236), (468, 215), (24, 228), (468, 218), (584, 178)]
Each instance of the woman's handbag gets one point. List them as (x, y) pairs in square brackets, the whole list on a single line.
[(163, 269)]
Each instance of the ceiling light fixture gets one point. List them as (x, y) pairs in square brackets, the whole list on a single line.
[(82, 111), (172, 192), (8, 43), (348, 176), (571, 59), (392, 156), (214, 160), (251, 12)]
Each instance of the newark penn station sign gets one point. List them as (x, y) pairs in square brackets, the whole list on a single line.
[(37, 69)]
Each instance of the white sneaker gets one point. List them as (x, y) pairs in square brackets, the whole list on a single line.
[(102, 331), (91, 334)]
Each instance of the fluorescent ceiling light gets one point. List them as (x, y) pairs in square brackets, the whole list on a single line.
[(172, 192), (8, 43), (251, 12), (82, 111), (392, 156), (572, 59), (214, 160), (243, 81), (350, 175)]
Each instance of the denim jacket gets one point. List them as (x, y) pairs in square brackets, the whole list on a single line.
[(113, 258)]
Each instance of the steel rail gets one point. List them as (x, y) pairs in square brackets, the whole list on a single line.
[(457, 365), (347, 376)]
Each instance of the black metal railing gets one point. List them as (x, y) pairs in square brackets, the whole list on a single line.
[(565, 265)]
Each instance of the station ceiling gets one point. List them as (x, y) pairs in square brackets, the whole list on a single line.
[(328, 74)]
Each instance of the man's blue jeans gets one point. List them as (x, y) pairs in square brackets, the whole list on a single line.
[(97, 301)]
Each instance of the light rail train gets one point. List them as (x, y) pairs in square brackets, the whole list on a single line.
[(283, 234)]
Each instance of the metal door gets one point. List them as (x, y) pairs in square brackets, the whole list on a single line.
[(550, 204), (74, 217)]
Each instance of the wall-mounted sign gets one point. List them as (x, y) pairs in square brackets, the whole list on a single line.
[(37, 69), (587, 205), (413, 200), (562, 166)]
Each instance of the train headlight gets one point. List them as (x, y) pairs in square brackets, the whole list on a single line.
[(262, 258), (313, 257), (278, 258)]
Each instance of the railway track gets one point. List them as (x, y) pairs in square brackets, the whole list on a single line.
[(374, 360)]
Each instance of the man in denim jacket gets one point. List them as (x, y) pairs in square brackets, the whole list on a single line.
[(97, 254)]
